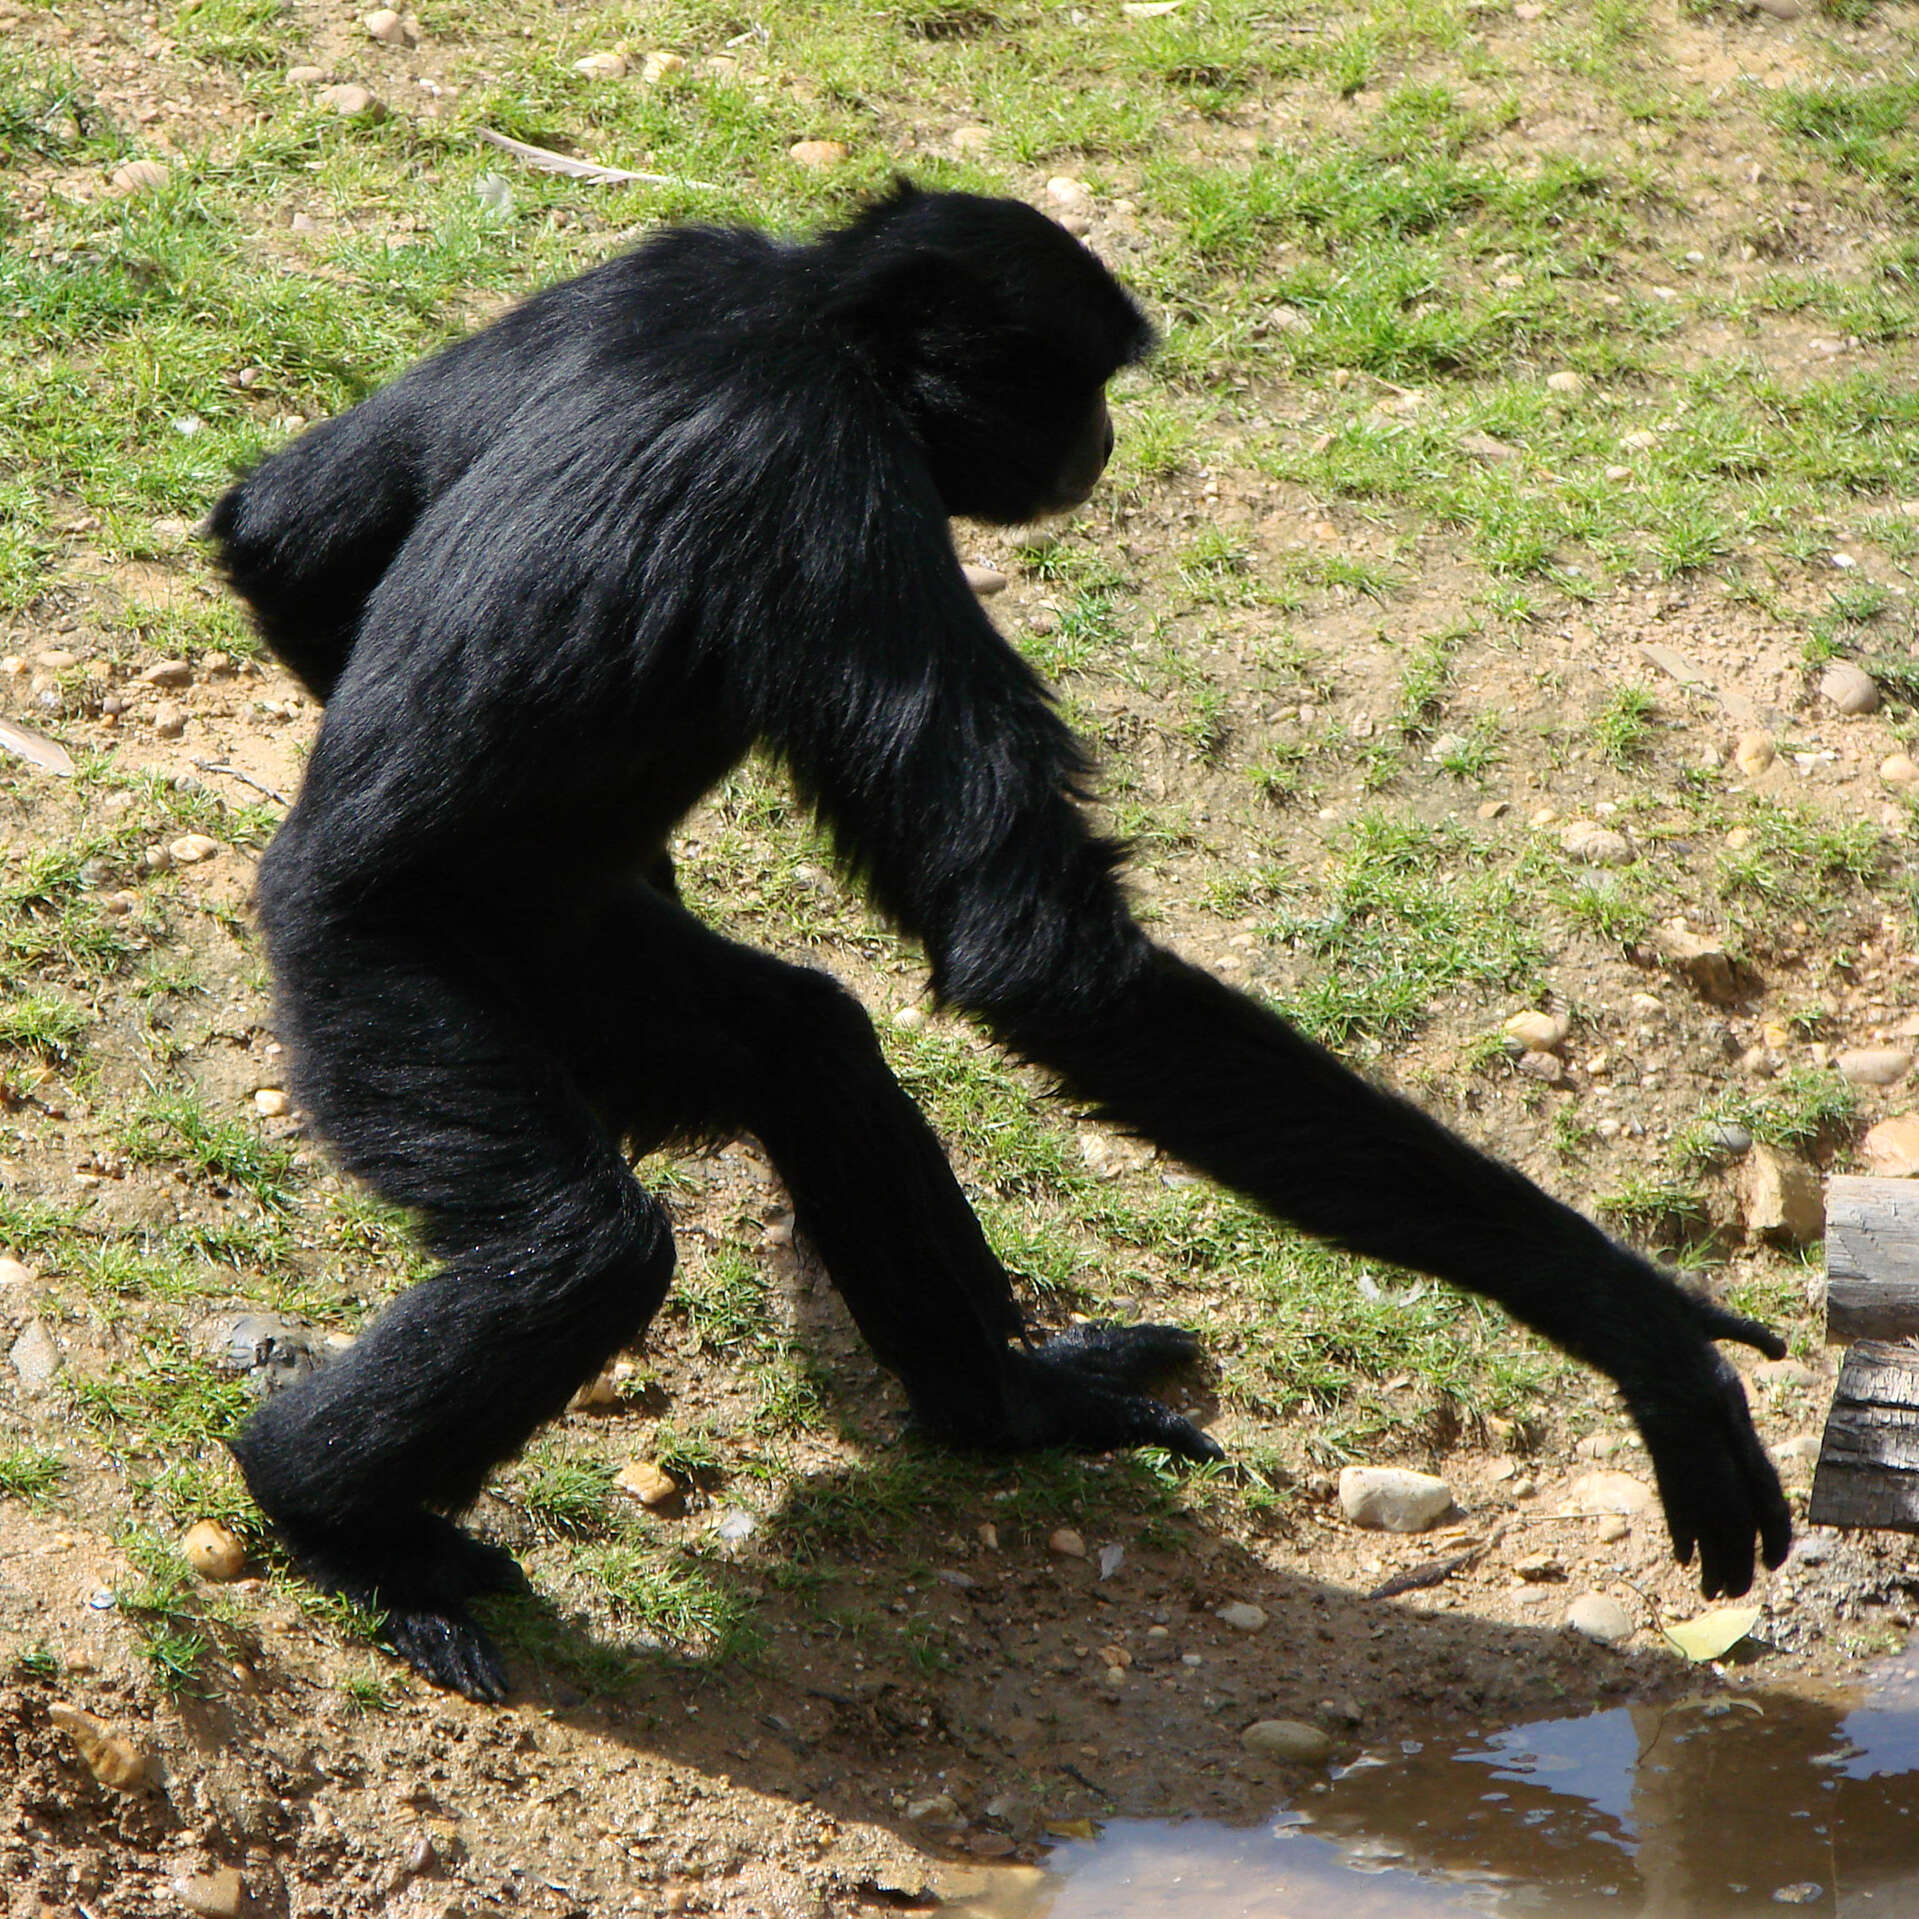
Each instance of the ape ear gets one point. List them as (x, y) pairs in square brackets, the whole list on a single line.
[(918, 305)]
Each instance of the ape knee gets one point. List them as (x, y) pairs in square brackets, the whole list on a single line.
[(823, 1012)]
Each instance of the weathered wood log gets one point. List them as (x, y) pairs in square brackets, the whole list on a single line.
[(1868, 1472), (1872, 1259)]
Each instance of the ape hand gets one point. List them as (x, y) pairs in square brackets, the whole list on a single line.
[(1716, 1483), (1081, 1390)]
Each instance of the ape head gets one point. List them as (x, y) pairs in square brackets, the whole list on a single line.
[(995, 333)]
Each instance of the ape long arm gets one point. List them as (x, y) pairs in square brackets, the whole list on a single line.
[(1028, 929)]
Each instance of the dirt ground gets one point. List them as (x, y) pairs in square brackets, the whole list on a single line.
[(924, 1712)]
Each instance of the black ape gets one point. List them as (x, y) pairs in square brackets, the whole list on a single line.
[(552, 585)]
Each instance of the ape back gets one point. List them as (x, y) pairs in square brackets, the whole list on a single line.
[(974, 331)]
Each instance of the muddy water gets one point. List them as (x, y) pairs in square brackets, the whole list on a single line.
[(1714, 1808)]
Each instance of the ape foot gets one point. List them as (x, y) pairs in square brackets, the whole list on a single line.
[(1082, 1390), (418, 1573)]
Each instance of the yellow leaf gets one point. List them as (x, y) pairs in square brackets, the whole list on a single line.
[(1713, 1634), (1071, 1828)]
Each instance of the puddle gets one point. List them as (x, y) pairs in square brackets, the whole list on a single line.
[(1712, 1808)]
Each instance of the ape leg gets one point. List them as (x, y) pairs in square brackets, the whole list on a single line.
[(431, 1089), (785, 1053)]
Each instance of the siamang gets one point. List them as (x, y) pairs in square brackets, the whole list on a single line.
[(551, 585)]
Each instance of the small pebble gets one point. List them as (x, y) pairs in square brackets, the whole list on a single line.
[(646, 1482), (111, 1757), (221, 1894), (1753, 753), (1391, 1499), (1539, 1568), (141, 176), (817, 154), (601, 66), (1065, 191), (1899, 769), (1891, 1148), (34, 1356), (1067, 1543), (1610, 1493), (305, 76), (1728, 1136), (910, 1019), (661, 66), (1596, 845), (13, 1273), (1639, 441), (1873, 1065), (1241, 1616), (984, 580), (270, 1103), (972, 139), (1599, 1617), (1539, 1032), (1548, 1067), (169, 720), (1613, 1528), (191, 848), (388, 28), (1618, 475), (1803, 1892), (213, 1552), (1566, 381), (1850, 688), (168, 673), (348, 101), (1289, 1740)]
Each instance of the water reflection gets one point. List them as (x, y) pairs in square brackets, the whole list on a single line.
[(1716, 1807)]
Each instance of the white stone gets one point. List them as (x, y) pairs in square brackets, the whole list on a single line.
[(1067, 1543), (1391, 1499), (1241, 1616), (1064, 191), (141, 176), (1850, 688), (1539, 1032), (1596, 845), (1601, 1618), (1566, 381), (1290, 1740), (661, 66), (348, 101), (34, 1356), (270, 1103), (1610, 1493), (984, 580), (388, 28), (191, 848), (1753, 753), (1891, 1148), (817, 154), (1873, 1065), (602, 66), (14, 1273)]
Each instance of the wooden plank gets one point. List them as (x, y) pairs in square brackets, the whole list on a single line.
[(1872, 1259), (1868, 1472)]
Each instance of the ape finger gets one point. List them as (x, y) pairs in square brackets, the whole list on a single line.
[(1717, 1323), (1123, 1356)]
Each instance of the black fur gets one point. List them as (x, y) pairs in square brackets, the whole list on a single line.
[(552, 584)]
